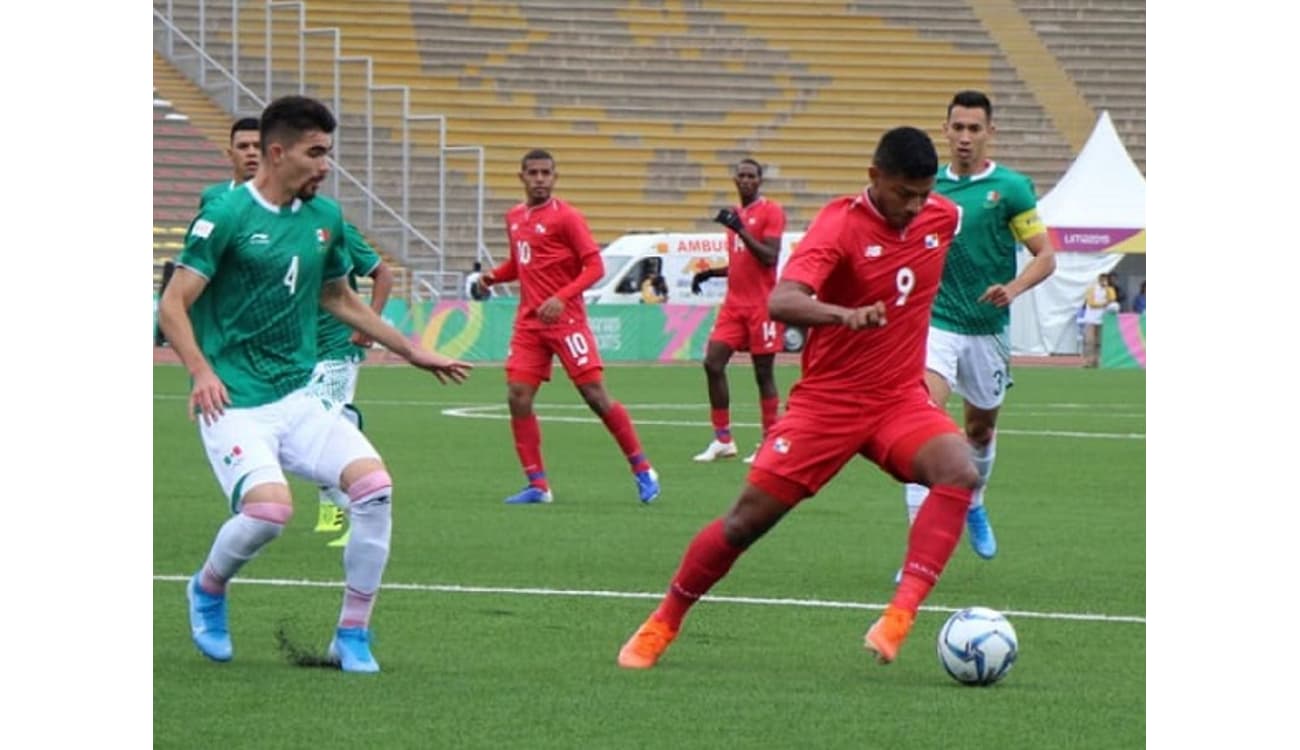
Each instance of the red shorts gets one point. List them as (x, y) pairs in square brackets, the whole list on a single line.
[(748, 330), (818, 435), (532, 349)]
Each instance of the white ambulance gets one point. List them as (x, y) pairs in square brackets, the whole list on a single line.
[(676, 257)]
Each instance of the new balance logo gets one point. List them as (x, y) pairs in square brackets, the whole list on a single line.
[(873, 251)]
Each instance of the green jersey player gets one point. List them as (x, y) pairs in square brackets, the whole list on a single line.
[(243, 153), (339, 351), (968, 349), (241, 313)]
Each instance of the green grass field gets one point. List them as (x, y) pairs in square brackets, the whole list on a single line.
[(526, 658)]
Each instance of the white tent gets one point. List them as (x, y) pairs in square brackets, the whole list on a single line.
[(1095, 214)]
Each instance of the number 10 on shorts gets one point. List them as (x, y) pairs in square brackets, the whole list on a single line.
[(578, 347)]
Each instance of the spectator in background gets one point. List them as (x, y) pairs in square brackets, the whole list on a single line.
[(1096, 299), (654, 290), (1140, 301), (1113, 280)]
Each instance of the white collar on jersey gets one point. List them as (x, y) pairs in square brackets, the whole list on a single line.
[(992, 165), (268, 205)]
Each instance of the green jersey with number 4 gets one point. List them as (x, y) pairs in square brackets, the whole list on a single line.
[(256, 320), (333, 337), (998, 211)]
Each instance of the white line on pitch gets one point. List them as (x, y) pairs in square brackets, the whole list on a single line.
[(497, 412), (599, 594)]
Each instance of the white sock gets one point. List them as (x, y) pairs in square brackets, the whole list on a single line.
[(914, 494), (366, 553), (239, 540), (983, 458)]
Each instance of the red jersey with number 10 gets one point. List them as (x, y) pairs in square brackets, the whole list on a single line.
[(547, 245), (851, 257), (749, 282)]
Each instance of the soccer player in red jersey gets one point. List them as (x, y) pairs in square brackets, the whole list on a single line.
[(863, 281), (753, 243), (554, 258)]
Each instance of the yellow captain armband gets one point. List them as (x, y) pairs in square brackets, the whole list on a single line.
[(1027, 224)]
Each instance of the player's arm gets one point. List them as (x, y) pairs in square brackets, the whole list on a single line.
[(1028, 229), (208, 393), (792, 303), (506, 271), (766, 249), (380, 290), (339, 300)]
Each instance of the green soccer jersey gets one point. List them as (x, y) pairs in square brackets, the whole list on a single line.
[(215, 191), (265, 265), (998, 210), (333, 337)]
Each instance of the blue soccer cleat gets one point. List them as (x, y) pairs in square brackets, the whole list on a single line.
[(647, 485), (351, 649), (208, 622), (981, 533), (530, 495)]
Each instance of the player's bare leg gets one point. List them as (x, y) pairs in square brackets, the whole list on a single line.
[(981, 434), (769, 398), (619, 423), (943, 463), (914, 493), (707, 559), (528, 444), (716, 356)]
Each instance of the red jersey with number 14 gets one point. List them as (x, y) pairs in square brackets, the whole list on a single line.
[(749, 282), (548, 244), (851, 257)]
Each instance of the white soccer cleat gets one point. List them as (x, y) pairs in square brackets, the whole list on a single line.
[(717, 450)]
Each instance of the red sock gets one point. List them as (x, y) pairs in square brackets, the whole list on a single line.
[(721, 419), (707, 560), (620, 426), (528, 444), (930, 543), (769, 408)]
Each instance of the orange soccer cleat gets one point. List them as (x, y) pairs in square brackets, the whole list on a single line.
[(885, 637), (646, 645)]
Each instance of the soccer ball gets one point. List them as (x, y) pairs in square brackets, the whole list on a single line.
[(977, 646)]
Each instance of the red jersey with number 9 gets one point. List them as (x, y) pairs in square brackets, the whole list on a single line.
[(851, 257)]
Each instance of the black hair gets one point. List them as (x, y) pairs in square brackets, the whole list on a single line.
[(244, 123), (972, 99), (757, 166), (535, 154), (287, 118), (908, 152)]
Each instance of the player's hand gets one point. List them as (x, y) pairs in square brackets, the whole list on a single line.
[(697, 281), (997, 295), (729, 219), (362, 340), (209, 397), (444, 368), (550, 310), (870, 316), (479, 284)]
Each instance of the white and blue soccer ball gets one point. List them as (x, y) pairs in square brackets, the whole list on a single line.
[(977, 646)]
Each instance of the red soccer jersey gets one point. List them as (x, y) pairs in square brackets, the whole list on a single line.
[(548, 244), (851, 257), (749, 282)]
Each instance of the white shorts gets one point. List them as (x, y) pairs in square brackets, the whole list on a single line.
[(977, 367), (299, 433), (336, 379)]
